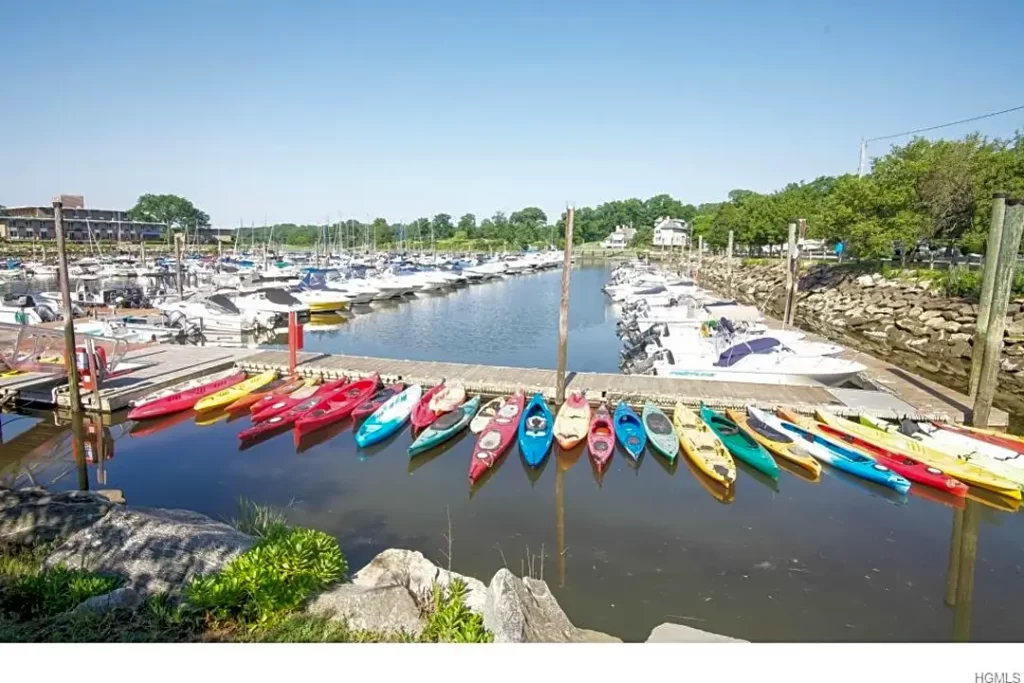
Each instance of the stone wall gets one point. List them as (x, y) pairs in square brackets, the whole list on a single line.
[(905, 320)]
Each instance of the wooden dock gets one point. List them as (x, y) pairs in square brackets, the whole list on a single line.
[(157, 367), (634, 389)]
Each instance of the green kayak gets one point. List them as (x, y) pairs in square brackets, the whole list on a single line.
[(445, 427), (659, 431), (739, 443)]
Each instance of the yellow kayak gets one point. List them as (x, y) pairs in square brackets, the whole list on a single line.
[(992, 432), (702, 447), (784, 447), (235, 392), (966, 471)]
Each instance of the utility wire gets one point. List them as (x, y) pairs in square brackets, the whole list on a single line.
[(945, 125)]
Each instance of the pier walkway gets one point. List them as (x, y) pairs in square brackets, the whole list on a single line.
[(890, 392)]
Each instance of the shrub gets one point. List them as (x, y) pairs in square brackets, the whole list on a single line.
[(962, 282), (52, 591), (272, 578), (450, 621), (259, 520)]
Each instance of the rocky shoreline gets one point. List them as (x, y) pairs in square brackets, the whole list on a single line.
[(158, 551), (905, 319)]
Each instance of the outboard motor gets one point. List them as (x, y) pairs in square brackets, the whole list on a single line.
[(46, 313)]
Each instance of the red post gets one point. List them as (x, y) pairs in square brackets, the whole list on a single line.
[(294, 341)]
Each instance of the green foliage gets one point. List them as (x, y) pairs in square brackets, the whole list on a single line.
[(18, 560), (260, 521), (448, 620), (52, 591), (177, 212), (273, 577), (962, 282)]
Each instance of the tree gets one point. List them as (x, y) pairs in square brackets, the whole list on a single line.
[(530, 216), (442, 225), (381, 231), (467, 225), (177, 212)]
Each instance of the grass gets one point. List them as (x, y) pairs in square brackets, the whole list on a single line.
[(257, 597)]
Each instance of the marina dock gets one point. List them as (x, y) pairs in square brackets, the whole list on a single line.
[(893, 393)]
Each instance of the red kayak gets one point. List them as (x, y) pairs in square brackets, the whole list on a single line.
[(422, 415), (499, 434), (337, 408), (285, 403), (914, 470), (326, 393), (279, 387), (376, 401), (263, 402), (601, 438), (994, 439), (183, 400)]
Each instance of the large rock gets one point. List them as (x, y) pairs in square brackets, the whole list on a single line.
[(413, 571), (387, 609), (525, 611), (155, 550), (125, 597), (34, 515), (677, 633)]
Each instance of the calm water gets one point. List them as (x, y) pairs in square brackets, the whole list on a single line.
[(835, 560)]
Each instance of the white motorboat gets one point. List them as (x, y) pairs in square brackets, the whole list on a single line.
[(759, 363), (217, 314), (22, 309)]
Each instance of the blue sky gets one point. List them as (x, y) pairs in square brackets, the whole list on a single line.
[(307, 111)]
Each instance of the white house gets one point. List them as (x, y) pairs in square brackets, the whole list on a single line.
[(619, 239), (671, 232)]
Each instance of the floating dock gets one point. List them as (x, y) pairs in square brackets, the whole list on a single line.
[(890, 392)]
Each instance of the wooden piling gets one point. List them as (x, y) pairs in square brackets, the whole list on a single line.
[(563, 311), (728, 266), (178, 239), (64, 283), (988, 279), (700, 253), (790, 256), (988, 376)]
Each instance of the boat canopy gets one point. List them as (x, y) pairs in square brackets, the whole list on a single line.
[(221, 304), (734, 354)]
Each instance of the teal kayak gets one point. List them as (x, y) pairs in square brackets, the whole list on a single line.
[(445, 427), (739, 443), (629, 431), (660, 433)]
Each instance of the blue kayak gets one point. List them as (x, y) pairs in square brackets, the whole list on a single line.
[(845, 459), (389, 418), (629, 430), (536, 431)]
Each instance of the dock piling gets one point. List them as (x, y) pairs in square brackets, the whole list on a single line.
[(728, 266), (563, 310), (988, 279), (1006, 266), (69, 315), (787, 316), (178, 239)]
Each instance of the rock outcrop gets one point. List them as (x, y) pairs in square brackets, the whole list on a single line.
[(35, 515), (156, 550), (677, 633), (907, 320), (384, 609), (413, 571)]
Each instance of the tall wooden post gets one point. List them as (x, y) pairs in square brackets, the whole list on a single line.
[(700, 253), (790, 253), (988, 280), (178, 239), (563, 311), (69, 315), (728, 266), (142, 250), (988, 377)]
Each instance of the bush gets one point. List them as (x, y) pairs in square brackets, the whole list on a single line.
[(272, 578), (450, 621), (52, 591), (962, 282)]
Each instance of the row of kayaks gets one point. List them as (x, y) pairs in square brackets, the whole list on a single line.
[(898, 455)]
